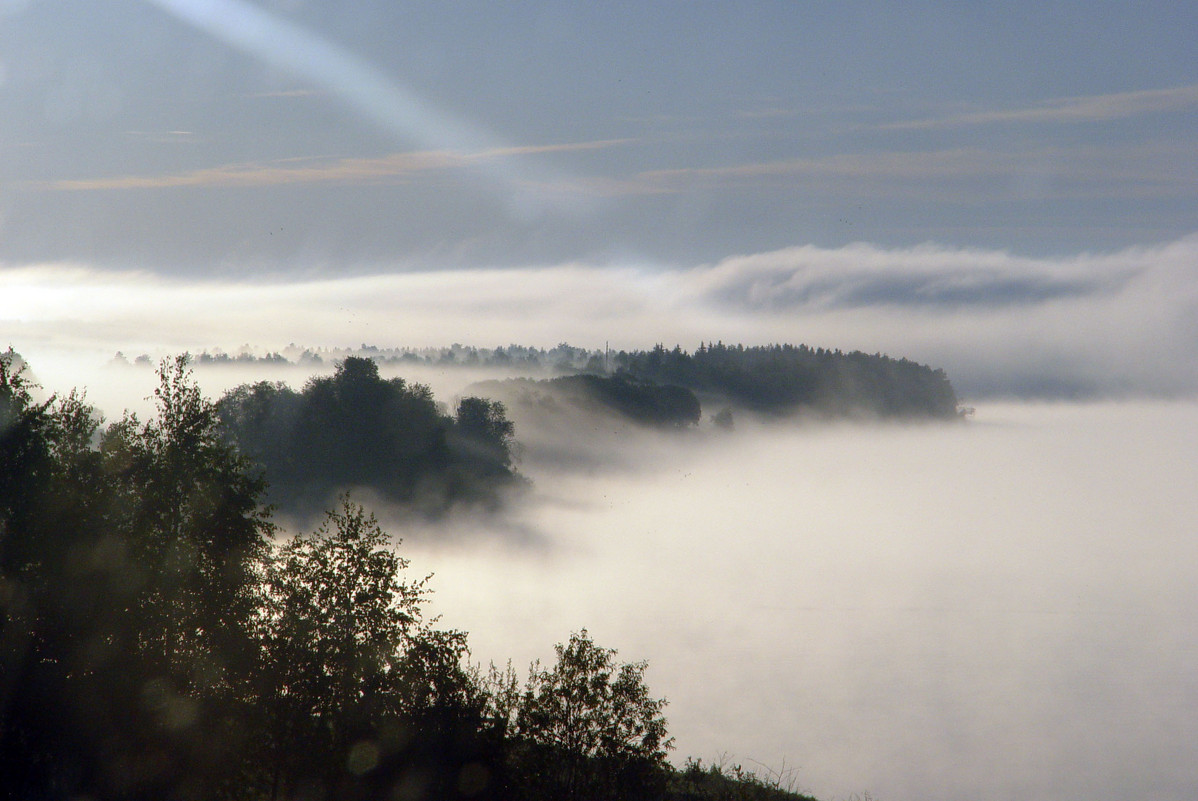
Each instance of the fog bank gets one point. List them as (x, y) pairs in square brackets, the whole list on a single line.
[(1001, 609), (1084, 325)]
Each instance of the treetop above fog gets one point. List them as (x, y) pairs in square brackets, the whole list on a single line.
[(787, 378), (357, 429), (158, 641), (769, 379)]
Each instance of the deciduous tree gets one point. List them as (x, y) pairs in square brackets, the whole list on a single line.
[(590, 726), (361, 685)]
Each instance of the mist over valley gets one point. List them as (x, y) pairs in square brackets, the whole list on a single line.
[(905, 608), (598, 402)]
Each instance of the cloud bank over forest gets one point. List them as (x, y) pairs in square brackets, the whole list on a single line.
[(1002, 609), (1091, 324)]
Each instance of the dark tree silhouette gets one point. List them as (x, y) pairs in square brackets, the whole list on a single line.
[(355, 429), (128, 561), (482, 437), (362, 687), (155, 643), (587, 727), (638, 400), (779, 379)]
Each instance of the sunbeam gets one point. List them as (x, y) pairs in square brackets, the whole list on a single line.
[(378, 98)]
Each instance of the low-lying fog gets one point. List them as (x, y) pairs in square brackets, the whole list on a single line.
[(1002, 609), (1005, 608)]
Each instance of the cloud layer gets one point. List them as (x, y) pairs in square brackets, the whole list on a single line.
[(394, 167), (1122, 323), (1093, 108)]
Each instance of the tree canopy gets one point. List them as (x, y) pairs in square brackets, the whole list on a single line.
[(640, 401), (788, 378), (159, 639), (589, 727), (356, 669), (128, 589), (355, 429)]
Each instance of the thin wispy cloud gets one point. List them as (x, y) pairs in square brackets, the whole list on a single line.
[(283, 93), (1142, 170), (394, 167), (1093, 108), (163, 137)]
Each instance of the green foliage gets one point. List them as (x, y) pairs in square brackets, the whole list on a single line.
[(482, 437), (359, 679), (336, 614), (128, 558), (355, 429), (786, 378), (24, 428), (587, 727), (587, 704), (663, 388), (197, 521), (154, 642), (638, 400)]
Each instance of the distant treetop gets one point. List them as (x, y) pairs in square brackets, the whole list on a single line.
[(772, 379)]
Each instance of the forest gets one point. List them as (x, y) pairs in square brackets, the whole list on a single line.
[(161, 638), (775, 379), (635, 400), (780, 379), (356, 429)]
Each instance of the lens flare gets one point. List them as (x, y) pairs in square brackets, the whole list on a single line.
[(386, 103)]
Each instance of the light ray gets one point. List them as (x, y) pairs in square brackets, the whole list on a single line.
[(379, 99)]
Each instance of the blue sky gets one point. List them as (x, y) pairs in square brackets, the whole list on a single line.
[(234, 138), (1006, 191)]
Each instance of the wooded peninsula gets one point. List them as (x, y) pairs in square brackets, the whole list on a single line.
[(160, 638)]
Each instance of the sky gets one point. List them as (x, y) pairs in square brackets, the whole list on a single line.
[(231, 138), (1007, 192)]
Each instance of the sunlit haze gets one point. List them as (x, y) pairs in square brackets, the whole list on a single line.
[(1000, 607)]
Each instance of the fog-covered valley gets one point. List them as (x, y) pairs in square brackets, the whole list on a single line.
[(999, 609), (1001, 606), (847, 574)]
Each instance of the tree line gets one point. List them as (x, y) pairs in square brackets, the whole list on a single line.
[(158, 639), (670, 388), (770, 379), (780, 379), (560, 358), (356, 429)]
